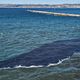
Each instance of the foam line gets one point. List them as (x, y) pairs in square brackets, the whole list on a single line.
[(38, 66), (54, 13), (46, 55)]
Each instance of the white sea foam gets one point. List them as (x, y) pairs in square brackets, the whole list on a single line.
[(19, 66), (32, 66), (35, 66), (60, 61)]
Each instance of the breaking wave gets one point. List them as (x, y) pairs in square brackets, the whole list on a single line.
[(39, 66), (47, 55)]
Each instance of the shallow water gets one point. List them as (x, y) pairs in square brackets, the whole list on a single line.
[(69, 70)]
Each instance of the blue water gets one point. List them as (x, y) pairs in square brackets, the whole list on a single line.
[(21, 31), (31, 38)]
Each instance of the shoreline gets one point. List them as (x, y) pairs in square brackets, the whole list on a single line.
[(39, 5)]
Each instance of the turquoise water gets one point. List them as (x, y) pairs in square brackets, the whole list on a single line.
[(21, 32)]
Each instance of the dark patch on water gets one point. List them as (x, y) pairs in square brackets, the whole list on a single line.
[(44, 55)]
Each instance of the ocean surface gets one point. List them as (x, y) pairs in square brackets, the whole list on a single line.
[(38, 46)]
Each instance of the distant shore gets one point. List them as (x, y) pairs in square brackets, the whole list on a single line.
[(39, 6)]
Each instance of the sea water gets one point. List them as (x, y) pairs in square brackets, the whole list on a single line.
[(22, 32)]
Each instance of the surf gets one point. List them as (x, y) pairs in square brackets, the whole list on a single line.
[(47, 55)]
